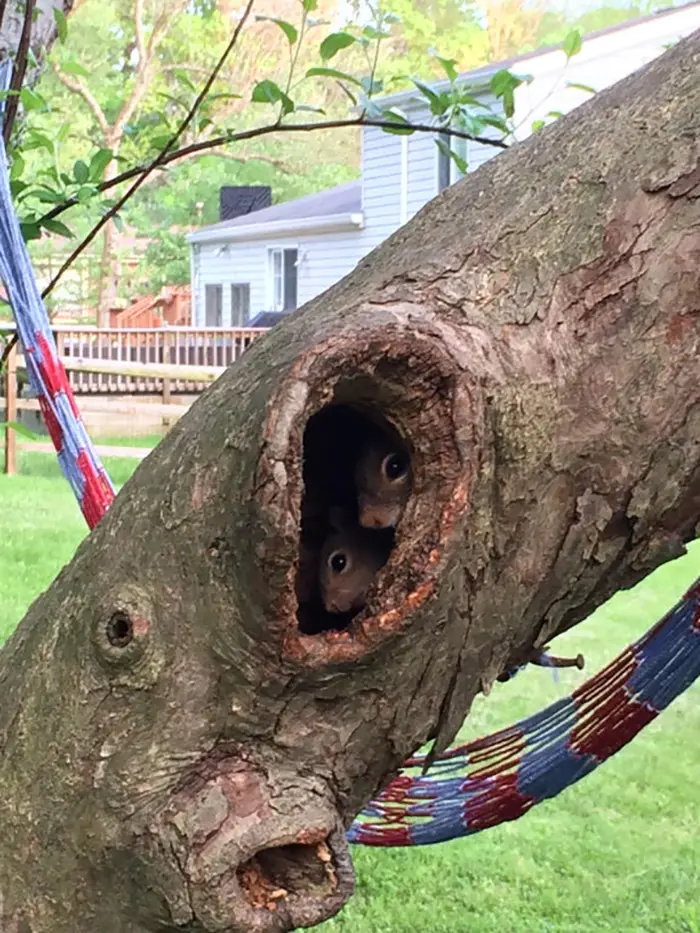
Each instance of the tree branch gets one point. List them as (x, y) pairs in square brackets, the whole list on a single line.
[(19, 71), (259, 132), (138, 30), (141, 83), (160, 158), (77, 87)]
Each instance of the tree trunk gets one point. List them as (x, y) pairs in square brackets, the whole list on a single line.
[(107, 283), (179, 749), (43, 29)]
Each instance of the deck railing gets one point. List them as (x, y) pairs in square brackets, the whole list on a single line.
[(179, 346)]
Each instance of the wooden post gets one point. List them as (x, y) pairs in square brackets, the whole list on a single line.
[(11, 413), (166, 381)]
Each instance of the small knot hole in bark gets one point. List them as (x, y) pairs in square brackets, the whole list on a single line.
[(357, 481), (120, 631)]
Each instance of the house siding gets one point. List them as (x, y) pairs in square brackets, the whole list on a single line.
[(381, 185), (323, 259), (603, 61), (381, 171), (391, 194)]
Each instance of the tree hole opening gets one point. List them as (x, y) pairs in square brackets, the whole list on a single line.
[(283, 870), (357, 474), (120, 631)]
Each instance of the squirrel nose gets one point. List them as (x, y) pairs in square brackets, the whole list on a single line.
[(371, 518)]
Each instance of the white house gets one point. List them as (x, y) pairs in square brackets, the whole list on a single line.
[(279, 257)]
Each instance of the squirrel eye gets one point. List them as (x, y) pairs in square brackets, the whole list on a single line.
[(394, 467), (338, 562)]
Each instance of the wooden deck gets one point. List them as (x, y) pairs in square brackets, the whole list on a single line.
[(167, 346)]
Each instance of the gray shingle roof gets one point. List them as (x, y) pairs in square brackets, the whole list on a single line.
[(343, 199)]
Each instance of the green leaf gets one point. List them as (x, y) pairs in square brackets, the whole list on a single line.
[(309, 109), (99, 162), (394, 117), (287, 28), (75, 68), (267, 92), (465, 98), (572, 43), (503, 81), (183, 78), (371, 32), (81, 172), (432, 98), (47, 196), (372, 85), (373, 110), (555, 114), (20, 428), (503, 85), (537, 125), (223, 97), (55, 226), (509, 103), (497, 123), (460, 162), (160, 142), (17, 166), (309, 5), (30, 231), (332, 73), (581, 87), (332, 44), (86, 193), (31, 100), (448, 66), (391, 18), (59, 18), (36, 140), (443, 147), (183, 105)]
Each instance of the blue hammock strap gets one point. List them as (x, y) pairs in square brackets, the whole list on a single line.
[(469, 787), (75, 451), (500, 777)]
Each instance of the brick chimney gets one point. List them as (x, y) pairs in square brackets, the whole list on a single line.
[(243, 199)]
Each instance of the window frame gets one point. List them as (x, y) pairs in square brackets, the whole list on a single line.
[(220, 314), (246, 310), (274, 275)]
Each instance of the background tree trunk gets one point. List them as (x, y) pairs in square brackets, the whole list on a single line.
[(178, 749), (43, 29)]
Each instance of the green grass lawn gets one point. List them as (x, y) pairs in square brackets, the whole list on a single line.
[(618, 852)]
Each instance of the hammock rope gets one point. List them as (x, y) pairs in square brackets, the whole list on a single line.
[(469, 787)]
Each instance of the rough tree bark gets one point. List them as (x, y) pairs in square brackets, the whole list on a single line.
[(175, 752)]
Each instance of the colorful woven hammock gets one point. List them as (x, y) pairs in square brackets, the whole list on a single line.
[(470, 787)]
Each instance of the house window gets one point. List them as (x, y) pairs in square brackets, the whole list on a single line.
[(448, 170), (240, 305), (283, 274), (213, 305)]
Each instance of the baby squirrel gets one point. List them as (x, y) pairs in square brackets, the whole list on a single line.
[(349, 561), (383, 481)]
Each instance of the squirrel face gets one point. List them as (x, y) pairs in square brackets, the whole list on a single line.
[(383, 480), (349, 561)]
